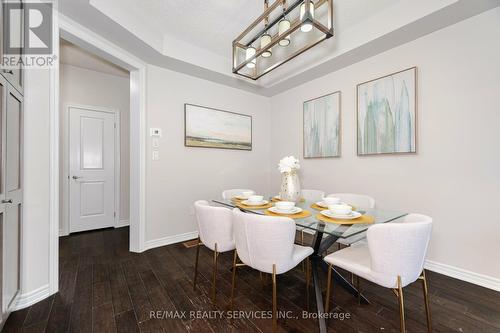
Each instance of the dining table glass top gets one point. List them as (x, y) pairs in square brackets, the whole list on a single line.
[(312, 224)]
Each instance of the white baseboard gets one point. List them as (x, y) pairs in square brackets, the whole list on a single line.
[(464, 275), (122, 223), (151, 244), (30, 298)]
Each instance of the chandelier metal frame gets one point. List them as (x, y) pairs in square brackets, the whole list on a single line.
[(239, 46)]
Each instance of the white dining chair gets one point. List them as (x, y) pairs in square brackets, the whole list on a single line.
[(393, 258), (229, 194), (215, 231), (266, 243), (360, 202), (309, 196)]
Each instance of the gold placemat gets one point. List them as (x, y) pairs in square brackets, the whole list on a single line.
[(235, 199), (274, 199), (301, 215), (268, 205), (314, 206), (363, 219)]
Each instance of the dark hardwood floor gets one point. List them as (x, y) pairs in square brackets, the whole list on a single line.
[(105, 288)]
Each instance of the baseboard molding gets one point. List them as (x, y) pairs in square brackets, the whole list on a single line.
[(122, 223), (151, 244), (30, 298), (464, 275)]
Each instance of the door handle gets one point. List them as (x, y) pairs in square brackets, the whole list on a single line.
[(76, 177), (10, 71), (9, 201)]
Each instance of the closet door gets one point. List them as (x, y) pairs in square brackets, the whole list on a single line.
[(3, 94), (12, 184), (16, 30), (1, 29)]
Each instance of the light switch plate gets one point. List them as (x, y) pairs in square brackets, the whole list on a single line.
[(156, 155), (155, 132)]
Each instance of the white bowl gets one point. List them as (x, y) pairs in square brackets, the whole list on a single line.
[(340, 209), (285, 205), (247, 194), (256, 198), (331, 201)]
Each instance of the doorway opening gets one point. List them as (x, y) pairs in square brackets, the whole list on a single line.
[(94, 103)]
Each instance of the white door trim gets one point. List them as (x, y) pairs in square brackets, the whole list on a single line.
[(65, 157), (54, 176), (89, 40)]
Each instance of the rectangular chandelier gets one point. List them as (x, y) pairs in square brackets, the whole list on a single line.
[(280, 34)]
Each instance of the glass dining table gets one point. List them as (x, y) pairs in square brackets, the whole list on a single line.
[(325, 234)]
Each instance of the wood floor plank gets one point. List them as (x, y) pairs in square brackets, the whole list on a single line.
[(119, 291), (81, 310), (152, 326), (59, 316), (35, 328), (137, 291), (103, 319), (101, 293), (39, 312), (126, 322), (15, 321)]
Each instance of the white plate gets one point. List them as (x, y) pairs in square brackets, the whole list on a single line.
[(241, 197), (353, 215), (295, 210), (325, 205), (249, 203)]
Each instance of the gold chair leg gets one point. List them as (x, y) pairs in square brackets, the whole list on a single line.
[(196, 262), (233, 284), (215, 273), (308, 280), (401, 306), (426, 300), (302, 243), (275, 306), (328, 288)]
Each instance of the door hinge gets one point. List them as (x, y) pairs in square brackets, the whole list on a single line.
[(115, 125), (114, 214)]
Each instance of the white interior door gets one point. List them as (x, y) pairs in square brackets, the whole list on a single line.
[(91, 169), (11, 219)]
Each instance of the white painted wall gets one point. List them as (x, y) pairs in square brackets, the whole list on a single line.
[(184, 175), (458, 158), (92, 88)]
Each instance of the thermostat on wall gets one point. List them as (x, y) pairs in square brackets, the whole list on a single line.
[(155, 132)]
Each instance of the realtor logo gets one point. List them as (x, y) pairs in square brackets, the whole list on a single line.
[(27, 28)]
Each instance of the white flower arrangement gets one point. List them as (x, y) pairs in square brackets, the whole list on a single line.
[(288, 163)]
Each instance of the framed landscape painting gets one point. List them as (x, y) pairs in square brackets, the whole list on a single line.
[(211, 128), (387, 114), (322, 126)]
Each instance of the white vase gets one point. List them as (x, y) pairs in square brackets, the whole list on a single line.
[(290, 186)]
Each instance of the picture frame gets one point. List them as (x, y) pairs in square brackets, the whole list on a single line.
[(386, 114), (322, 126), (206, 127)]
